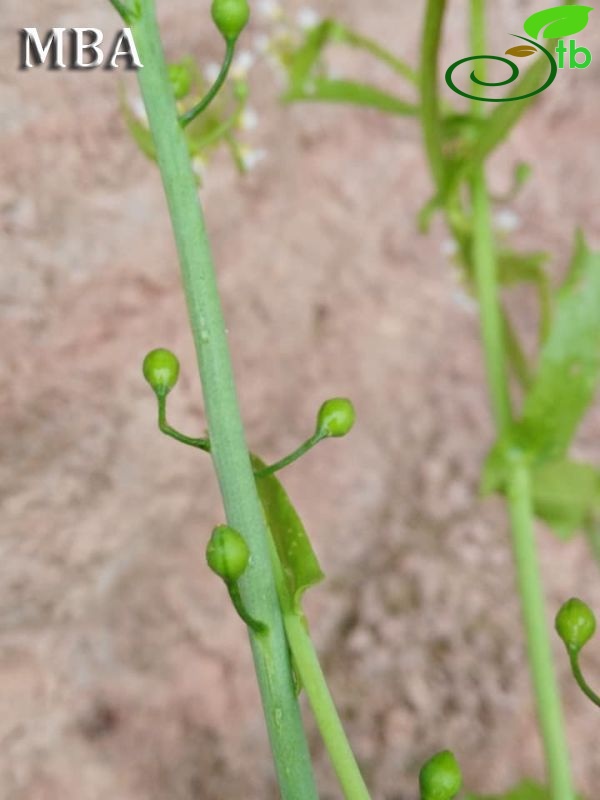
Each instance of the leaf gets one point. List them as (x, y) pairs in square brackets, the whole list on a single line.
[(340, 91), (516, 267), (566, 494), (569, 368), (521, 51), (308, 82), (527, 790), (299, 563), (557, 21)]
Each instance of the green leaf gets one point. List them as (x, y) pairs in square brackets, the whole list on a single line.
[(340, 91), (527, 790), (308, 82), (569, 368), (557, 21), (566, 495), (299, 563), (516, 267)]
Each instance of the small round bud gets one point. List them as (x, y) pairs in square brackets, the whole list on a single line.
[(161, 370), (180, 80), (230, 17), (227, 553), (575, 624), (336, 417), (440, 777)]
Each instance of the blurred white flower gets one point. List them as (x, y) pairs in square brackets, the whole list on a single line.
[(199, 166), (507, 220), (248, 119), (270, 9), (466, 303), (307, 18), (252, 157), (242, 65), (448, 248), (211, 71), (262, 43), (136, 104)]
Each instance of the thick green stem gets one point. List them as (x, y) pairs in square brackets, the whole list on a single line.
[(228, 447), (519, 482), (486, 280), (538, 638), (430, 107)]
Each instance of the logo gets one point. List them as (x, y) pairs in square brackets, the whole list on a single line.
[(85, 51), (551, 23)]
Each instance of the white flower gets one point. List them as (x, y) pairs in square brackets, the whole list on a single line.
[(448, 248), (136, 104), (461, 299), (242, 65), (251, 158), (248, 119), (307, 18), (270, 9), (199, 166), (262, 43), (211, 71), (507, 220)]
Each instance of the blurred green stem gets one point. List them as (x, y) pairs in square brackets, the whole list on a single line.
[(519, 482)]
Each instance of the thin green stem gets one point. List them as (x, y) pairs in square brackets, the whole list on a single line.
[(538, 638), (190, 115), (478, 48), (486, 280), (298, 453), (581, 681), (323, 707), (228, 446), (430, 108), (375, 49), (164, 427), (121, 10)]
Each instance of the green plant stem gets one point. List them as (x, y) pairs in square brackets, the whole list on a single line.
[(383, 55), (298, 453), (228, 446), (323, 707), (430, 109), (190, 115), (486, 280), (519, 481), (538, 638), (581, 681), (164, 427)]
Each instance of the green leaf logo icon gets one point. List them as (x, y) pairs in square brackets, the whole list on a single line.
[(557, 21)]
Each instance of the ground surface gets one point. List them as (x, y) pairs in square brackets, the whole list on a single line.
[(121, 670)]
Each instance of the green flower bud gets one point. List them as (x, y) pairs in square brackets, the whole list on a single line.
[(575, 624), (336, 417), (440, 777), (161, 370), (227, 553), (180, 79), (230, 17)]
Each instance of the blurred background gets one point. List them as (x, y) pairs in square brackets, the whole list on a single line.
[(124, 671)]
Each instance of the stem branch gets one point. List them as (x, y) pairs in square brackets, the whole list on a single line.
[(538, 638)]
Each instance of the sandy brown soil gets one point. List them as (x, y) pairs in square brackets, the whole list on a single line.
[(121, 670)]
